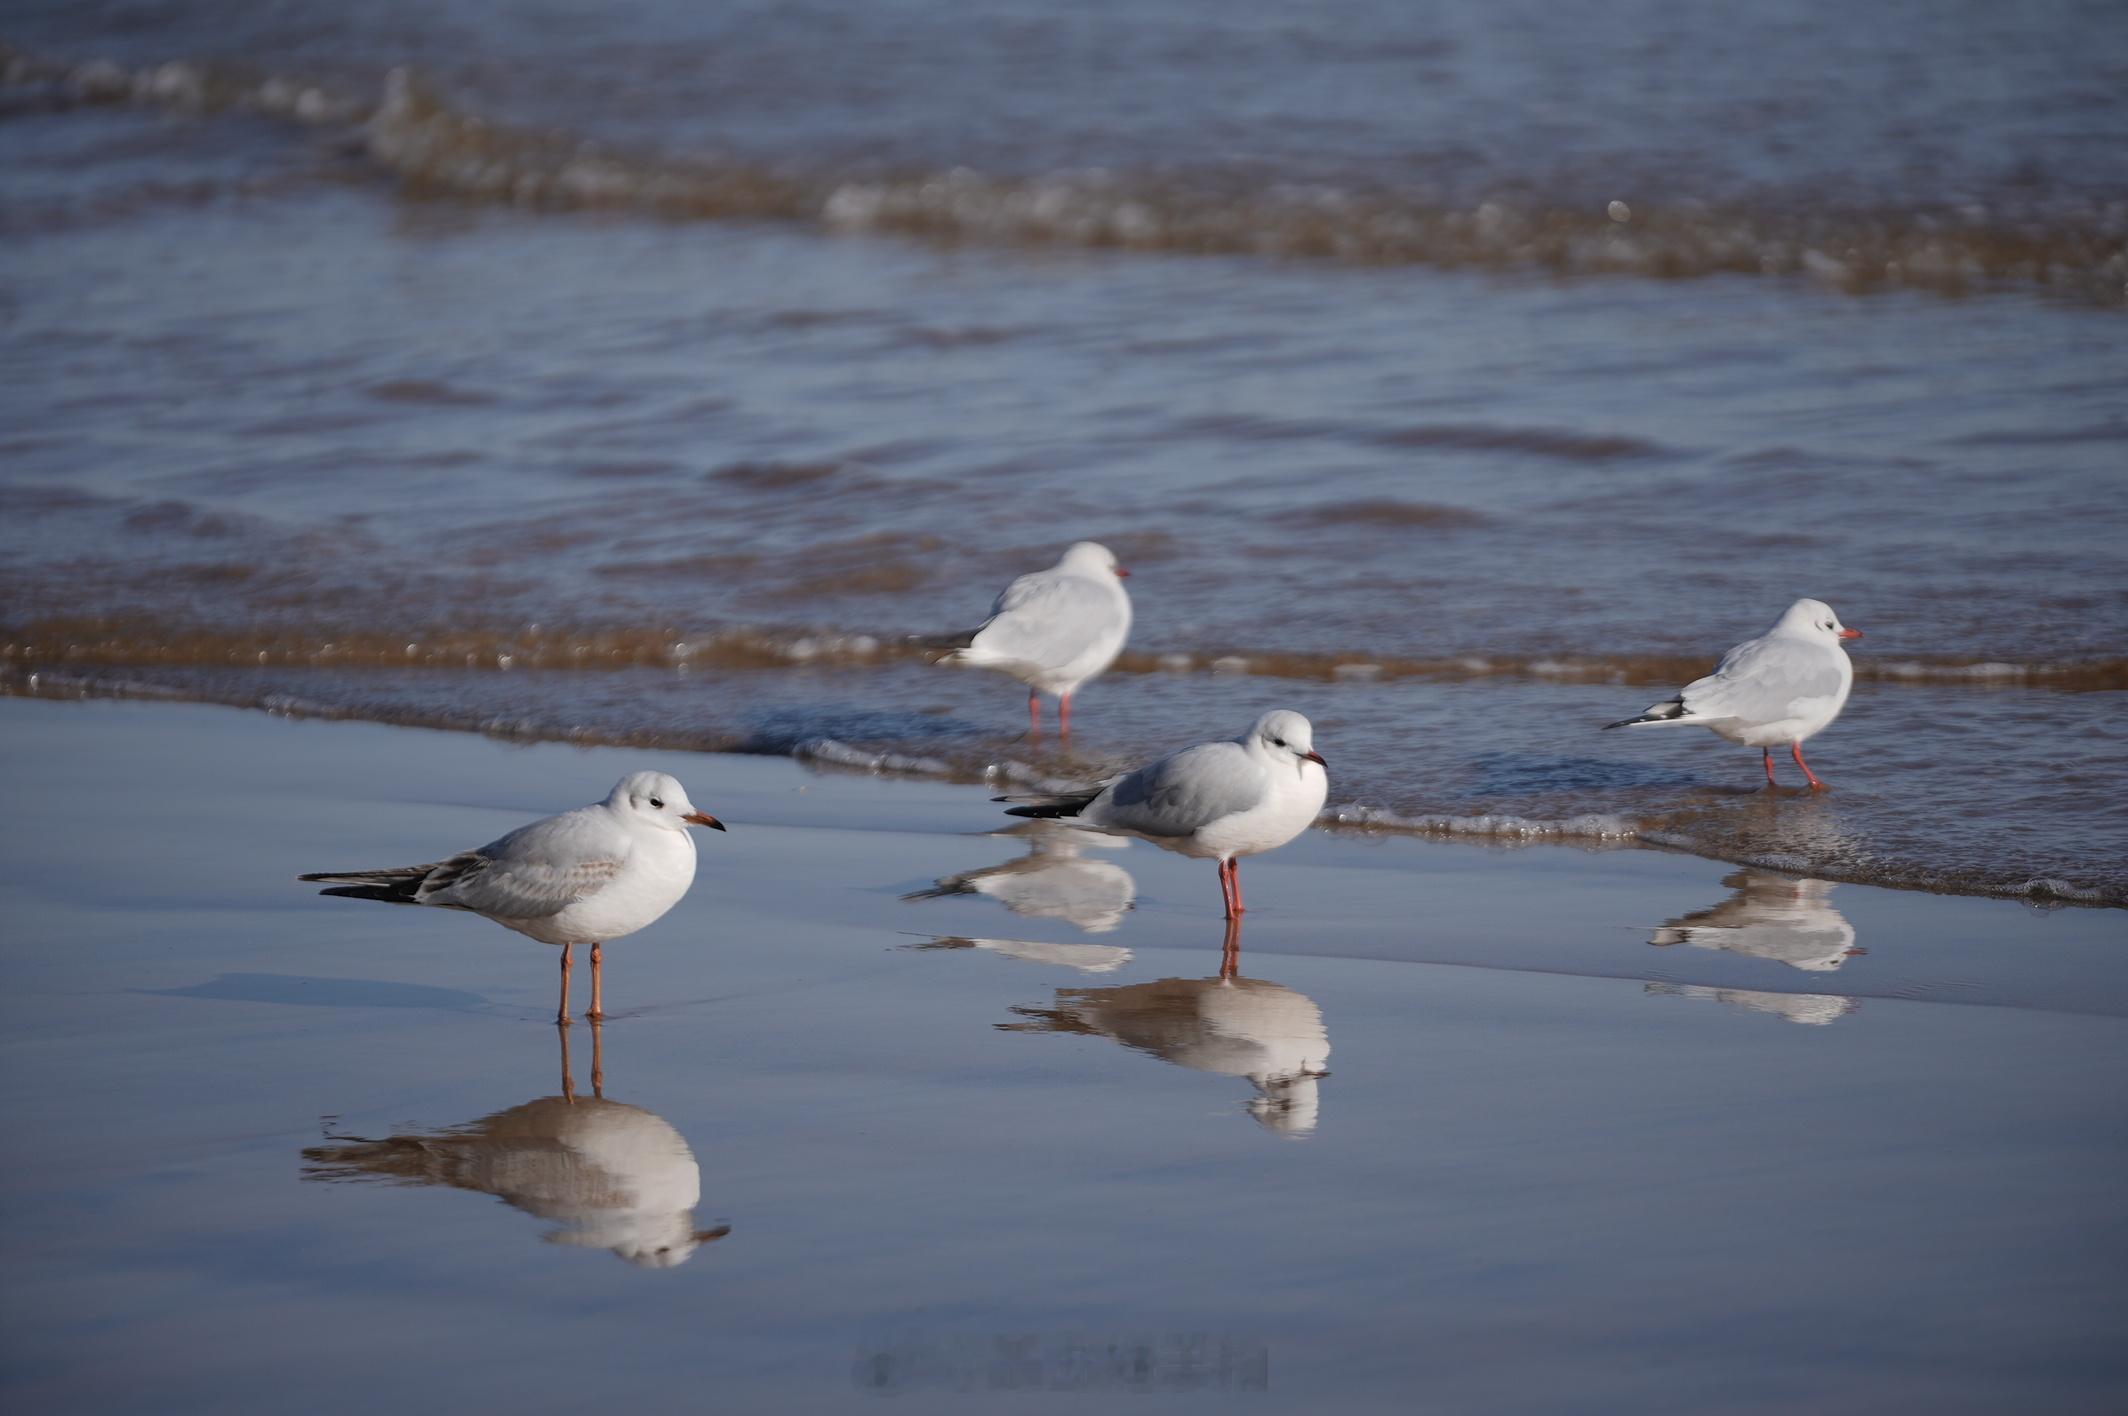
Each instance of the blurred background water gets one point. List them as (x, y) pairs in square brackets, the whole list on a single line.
[(1466, 376)]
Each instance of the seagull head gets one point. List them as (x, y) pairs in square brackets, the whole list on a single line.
[(1093, 560), (644, 1238), (1284, 736), (1287, 1105), (655, 799), (1814, 619)]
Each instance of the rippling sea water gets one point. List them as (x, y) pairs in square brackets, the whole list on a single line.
[(1465, 377)]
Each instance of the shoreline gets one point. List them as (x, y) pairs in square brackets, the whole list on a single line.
[(1587, 831)]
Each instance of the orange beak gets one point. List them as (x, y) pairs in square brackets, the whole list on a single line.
[(1316, 758), (703, 818), (1122, 574), (1850, 634)]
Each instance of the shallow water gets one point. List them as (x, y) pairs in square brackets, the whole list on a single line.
[(1603, 1131), (306, 369)]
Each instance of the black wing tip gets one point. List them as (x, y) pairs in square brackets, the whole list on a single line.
[(388, 894), (1668, 712)]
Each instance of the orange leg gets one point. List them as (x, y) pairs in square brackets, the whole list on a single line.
[(597, 1012), (1769, 768), (1230, 887), (1797, 749), (561, 1016), (1230, 952), (1034, 713), (1064, 715)]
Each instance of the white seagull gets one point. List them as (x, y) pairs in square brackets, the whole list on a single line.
[(1215, 801), (1781, 687), (583, 877), (1056, 629)]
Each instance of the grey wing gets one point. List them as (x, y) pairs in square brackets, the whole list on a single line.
[(1049, 619), (1183, 792), (1759, 680), (531, 873)]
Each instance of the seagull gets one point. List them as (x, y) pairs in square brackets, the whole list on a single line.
[(1783, 686), (1215, 801), (608, 1175), (583, 877), (1056, 629)]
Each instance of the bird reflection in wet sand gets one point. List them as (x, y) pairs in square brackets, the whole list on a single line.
[(608, 1175), (1054, 880), (1086, 958), (1810, 1009), (1771, 916), (1235, 1026)]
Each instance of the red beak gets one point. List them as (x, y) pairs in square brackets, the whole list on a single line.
[(703, 818), (1122, 574), (1850, 634), (1316, 758)]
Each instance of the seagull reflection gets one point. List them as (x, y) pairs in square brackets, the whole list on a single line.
[(1086, 958), (608, 1175), (1235, 1026), (1771, 916), (1811, 1009), (1054, 880)]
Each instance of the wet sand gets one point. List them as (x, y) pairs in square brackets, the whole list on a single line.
[(1459, 1137)]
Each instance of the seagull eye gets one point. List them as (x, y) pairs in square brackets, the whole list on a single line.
[(1278, 742), (656, 802)]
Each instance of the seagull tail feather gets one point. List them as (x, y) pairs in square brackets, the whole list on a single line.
[(1058, 804), (1672, 711), (394, 887)]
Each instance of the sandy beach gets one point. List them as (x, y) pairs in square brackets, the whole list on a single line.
[(1458, 1137)]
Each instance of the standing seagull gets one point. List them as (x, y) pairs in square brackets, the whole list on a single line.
[(583, 877), (1215, 801), (1056, 629), (1781, 687)]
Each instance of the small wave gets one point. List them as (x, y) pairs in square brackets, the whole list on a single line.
[(1537, 442), (2053, 889), (2047, 437), (429, 392), (416, 136), (833, 753), (1389, 513), (777, 476), (624, 470), (1589, 826)]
